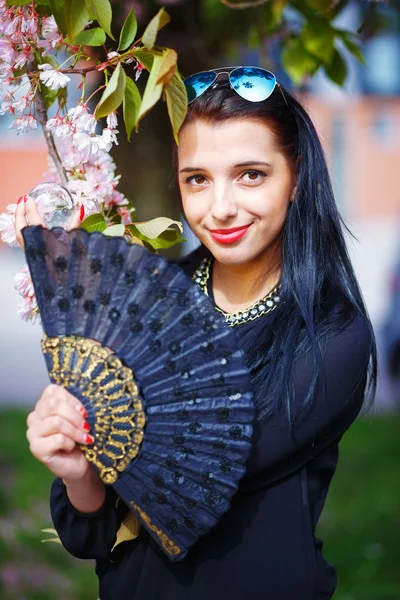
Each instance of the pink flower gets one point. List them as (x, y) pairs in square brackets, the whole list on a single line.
[(82, 120), (87, 143), (23, 282), (112, 120), (61, 127), (28, 310), (50, 31), (22, 104), (125, 215), (25, 56), (24, 123), (116, 199), (7, 52), (7, 229), (107, 139), (52, 78), (138, 69)]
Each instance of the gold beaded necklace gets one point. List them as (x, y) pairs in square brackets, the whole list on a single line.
[(259, 308)]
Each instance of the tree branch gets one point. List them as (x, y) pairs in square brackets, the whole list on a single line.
[(42, 117), (48, 136), (78, 71)]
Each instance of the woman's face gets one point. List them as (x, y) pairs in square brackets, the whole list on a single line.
[(232, 175)]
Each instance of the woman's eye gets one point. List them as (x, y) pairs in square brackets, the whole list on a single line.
[(196, 179), (253, 176)]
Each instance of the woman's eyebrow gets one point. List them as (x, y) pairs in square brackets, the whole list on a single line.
[(189, 169), (248, 163)]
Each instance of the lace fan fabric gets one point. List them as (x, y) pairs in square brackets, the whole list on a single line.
[(176, 452)]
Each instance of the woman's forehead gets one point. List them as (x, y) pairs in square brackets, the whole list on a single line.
[(233, 141)]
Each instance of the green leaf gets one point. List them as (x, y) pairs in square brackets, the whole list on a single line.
[(318, 37), (113, 95), (158, 22), (43, 9), (177, 103), (145, 57), (352, 46), (166, 239), (337, 69), (297, 62), (55, 539), (101, 11), (131, 105), (18, 2), (115, 230), (77, 17), (322, 6), (154, 86), (91, 37), (155, 227), (277, 8), (129, 530), (168, 67), (49, 96), (58, 11), (94, 223), (128, 31)]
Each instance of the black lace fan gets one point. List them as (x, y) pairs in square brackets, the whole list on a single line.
[(171, 407)]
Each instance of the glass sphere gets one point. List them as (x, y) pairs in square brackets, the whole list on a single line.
[(54, 203)]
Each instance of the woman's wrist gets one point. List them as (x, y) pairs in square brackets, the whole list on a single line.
[(87, 495)]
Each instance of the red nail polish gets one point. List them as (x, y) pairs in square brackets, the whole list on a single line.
[(89, 439), (20, 200), (83, 411), (82, 213), (26, 198), (86, 426)]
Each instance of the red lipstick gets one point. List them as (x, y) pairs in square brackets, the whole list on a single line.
[(228, 236)]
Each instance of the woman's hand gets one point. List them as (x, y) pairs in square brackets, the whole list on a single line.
[(55, 427), (28, 214)]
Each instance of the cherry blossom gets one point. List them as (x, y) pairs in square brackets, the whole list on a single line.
[(112, 120), (61, 127), (82, 145), (7, 227), (52, 78), (24, 123), (28, 310), (50, 34)]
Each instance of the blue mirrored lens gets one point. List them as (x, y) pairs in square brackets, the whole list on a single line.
[(198, 83), (252, 84)]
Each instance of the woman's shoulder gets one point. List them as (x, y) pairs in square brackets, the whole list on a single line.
[(353, 334)]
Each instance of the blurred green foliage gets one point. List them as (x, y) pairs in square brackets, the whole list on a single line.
[(359, 525)]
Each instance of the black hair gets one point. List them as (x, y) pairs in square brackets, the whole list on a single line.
[(319, 292)]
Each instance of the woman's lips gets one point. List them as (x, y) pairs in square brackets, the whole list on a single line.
[(228, 236)]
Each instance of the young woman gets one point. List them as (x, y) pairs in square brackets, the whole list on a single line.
[(256, 191)]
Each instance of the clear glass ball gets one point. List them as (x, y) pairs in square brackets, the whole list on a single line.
[(54, 203)]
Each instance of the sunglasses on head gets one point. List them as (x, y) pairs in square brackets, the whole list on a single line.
[(251, 83)]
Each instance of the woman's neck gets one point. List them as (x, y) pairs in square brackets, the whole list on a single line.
[(238, 286)]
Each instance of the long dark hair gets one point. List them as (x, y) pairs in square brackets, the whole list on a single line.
[(319, 291)]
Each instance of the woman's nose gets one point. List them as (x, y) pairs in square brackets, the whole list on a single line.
[(223, 204)]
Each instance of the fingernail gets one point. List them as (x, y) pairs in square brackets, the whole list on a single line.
[(86, 426), (82, 213), (81, 410), (89, 439), (20, 200), (26, 198)]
